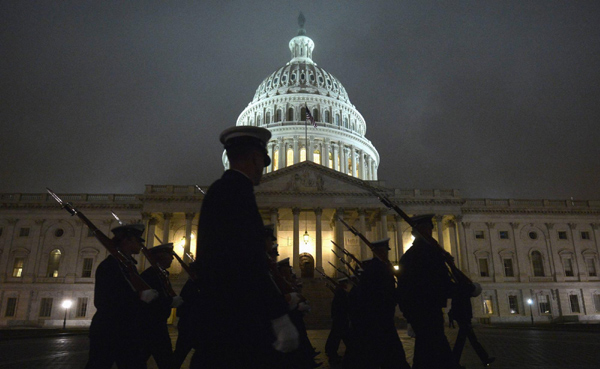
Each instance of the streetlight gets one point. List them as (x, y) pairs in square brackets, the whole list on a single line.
[(66, 304), (530, 302)]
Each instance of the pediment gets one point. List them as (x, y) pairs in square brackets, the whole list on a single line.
[(310, 178)]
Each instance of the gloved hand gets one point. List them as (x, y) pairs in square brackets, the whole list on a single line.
[(177, 302), (293, 299), (286, 334), (148, 295), (304, 307)]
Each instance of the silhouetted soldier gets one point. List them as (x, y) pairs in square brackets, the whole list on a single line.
[(339, 320), (242, 315), (115, 332), (187, 325), (424, 286), (462, 313), (157, 342)]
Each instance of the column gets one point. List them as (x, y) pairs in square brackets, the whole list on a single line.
[(554, 258), (310, 150), (282, 153), (361, 164), (374, 170), (274, 219), (578, 255), (319, 240), (166, 226), (339, 233), (343, 159), (496, 267), (325, 153), (363, 229), (189, 217), (271, 151), (352, 161), (384, 226), (439, 222), (370, 173), (463, 261), (521, 263), (296, 150), (5, 270), (399, 237), (150, 224), (33, 268), (296, 246), (335, 149)]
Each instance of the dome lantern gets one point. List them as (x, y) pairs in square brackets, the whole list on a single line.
[(301, 46)]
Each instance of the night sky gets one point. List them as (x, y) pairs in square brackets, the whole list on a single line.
[(499, 99)]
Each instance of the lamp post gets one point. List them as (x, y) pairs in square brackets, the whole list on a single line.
[(66, 304), (530, 303)]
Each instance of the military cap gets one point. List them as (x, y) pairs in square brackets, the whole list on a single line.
[(270, 231), (422, 219), (247, 136), (381, 243), (129, 230), (167, 247)]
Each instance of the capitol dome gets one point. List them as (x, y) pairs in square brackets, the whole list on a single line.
[(338, 141)]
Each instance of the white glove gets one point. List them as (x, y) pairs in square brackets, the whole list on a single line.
[(304, 307), (148, 295), (177, 302), (286, 334), (294, 300)]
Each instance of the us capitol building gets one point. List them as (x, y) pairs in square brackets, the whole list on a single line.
[(536, 259)]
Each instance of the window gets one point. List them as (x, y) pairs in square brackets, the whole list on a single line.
[(24, 232), (316, 115), (568, 263), (53, 263), (337, 120), (562, 235), (591, 267), (18, 267), (330, 165), (479, 235), (508, 268), (585, 235), (82, 303), (278, 115), (488, 307), (537, 263), (59, 232), (317, 157), (290, 116), (345, 122), (544, 304), (290, 158), (276, 160), (303, 154), (533, 235), (303, 114), (574, 300), (483, 268), (11, 306), (46, 307), (503, 235), (327, 117), (597, 302), (268, 118), (513, 304), (86, 271)]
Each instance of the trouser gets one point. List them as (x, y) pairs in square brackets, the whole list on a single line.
[(336, 335), (465, 330), (157, 343), (432, 350), (106, 350), (185, 343)]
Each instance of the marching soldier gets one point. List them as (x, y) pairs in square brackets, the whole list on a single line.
[(424, 286), (157, 342), (115, 332), (241, 324), (339, 320), (186, 326)]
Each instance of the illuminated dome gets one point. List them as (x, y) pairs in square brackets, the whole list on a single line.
[(280, 103)]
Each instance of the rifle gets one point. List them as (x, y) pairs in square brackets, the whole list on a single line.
[(357, 233), (348, 253), (162, 273), (130, 271), (200, 189), (456, 273), (335, 283), (347, 264), (185, 266), (344, 273), (330, 287)]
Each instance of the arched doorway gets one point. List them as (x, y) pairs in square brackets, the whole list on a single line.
[(307, 265)]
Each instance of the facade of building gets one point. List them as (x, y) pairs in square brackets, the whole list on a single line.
[(536, 259)]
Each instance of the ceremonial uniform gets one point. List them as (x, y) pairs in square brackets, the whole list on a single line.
[(339, 321), (424, 286), (239, 304)]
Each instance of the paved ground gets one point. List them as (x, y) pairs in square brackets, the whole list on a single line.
[(515, 347)]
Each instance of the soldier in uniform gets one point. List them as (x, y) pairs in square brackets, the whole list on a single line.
[(424, 286), (186, 325), (381, 346), (157, 342), (115, 332), (242, 316), (339, 320)]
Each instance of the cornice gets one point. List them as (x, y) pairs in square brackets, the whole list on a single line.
[(570, 211)]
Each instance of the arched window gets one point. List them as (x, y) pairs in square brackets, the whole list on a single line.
[(317, 156), (53, 263), (337, 119), (327, 117), (303, 154), (316, 115), (268, 118), (290, 116), (537, 263), (345, 122), (303, 114), (258, 120), (276, 160), (278, 115), (289, 160), (330, 163)]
